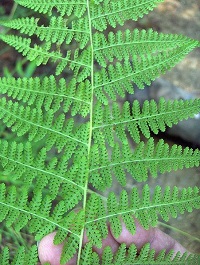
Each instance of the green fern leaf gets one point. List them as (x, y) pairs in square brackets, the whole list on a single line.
[(18, 160), (121, 45), (107, 256), (117, 78), (4, 256), (56, 32), (146, 157), (145, 210), (22, 257), (113, 13), (88, 256), (49, 94), (146, 256), (72, 139), (37, 125), (17, 212), (23, 45), (153, 116), (77, 8), (42, 54), (96, 231)]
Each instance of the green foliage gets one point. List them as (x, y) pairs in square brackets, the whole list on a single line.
[(144, 209), (146, 256), (73, 137), (152, 117), (21, 257)]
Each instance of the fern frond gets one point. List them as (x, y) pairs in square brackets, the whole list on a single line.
[(23, 45), (42, 54), (100, 172), (57, 31), (71, 153), (18, 161), (145, 158), (96, 231), (122, 45), (18, 213), (22, 256), (116, 79), (45, 6), (147, 256), (89, 256), (145, 209), (38, 124), (130, 256), (152, 117), (109, 12), (76, 221), (49, 94)]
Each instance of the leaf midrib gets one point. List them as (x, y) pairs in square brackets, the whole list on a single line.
[(143, 208)]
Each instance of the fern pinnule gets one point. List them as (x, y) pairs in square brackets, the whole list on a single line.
[(147, 157), (116, 79), (78, 8), (40, 214), (121, 45), (104, 13), (22, 256), (56, 32), (38, 124), (145, 209), (151, 117), (48, 94)]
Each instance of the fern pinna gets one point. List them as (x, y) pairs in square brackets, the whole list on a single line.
[(70, 137)]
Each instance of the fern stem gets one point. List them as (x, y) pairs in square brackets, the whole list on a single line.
[(137, 160), (101, 196), (90, 127), (13, 10), (179, 231)]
